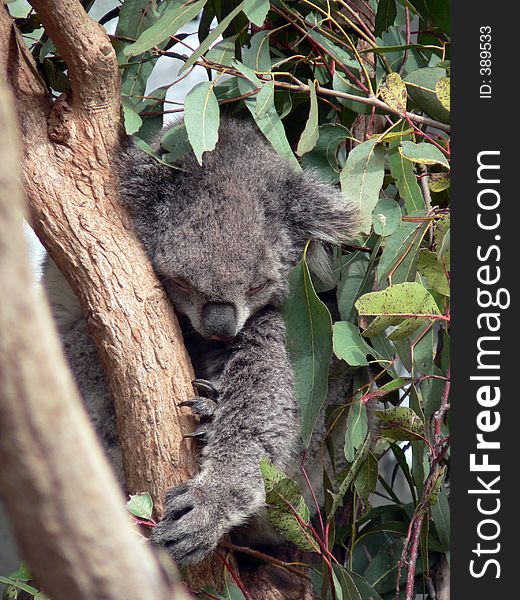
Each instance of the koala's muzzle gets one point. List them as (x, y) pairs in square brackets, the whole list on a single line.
[(219, 320)]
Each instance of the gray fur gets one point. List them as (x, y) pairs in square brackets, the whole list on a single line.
[(231, 231)]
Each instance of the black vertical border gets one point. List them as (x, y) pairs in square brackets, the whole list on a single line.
[(482, 124)]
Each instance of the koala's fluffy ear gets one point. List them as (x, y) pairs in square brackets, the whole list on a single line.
[(140, 178), (142, 181), (317, 211)]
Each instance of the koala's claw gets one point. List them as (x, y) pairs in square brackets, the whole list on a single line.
[(207, 387), (203, 407), (199, 433), (192, 526)]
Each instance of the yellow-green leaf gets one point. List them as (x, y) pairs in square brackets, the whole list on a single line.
[(442, 89), (394, 92)]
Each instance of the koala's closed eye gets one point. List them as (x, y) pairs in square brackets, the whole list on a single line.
[(180, 284), (257, 288)]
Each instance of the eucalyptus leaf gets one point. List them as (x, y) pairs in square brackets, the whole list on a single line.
[(406, 180), (256, 11), (223, 53), (349, 345), (385, 15), (442, 89), (362, 178), (212, 37), (309, 342), (423, 153), (400, 423), (310, 134), (433, 271), (386, 217), (422, 90), (394, 92), (396, 306), (141, 505), (357, 429), (202, 118), (170, 22)]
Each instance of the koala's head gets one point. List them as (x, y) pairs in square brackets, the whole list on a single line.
[(224, 237)]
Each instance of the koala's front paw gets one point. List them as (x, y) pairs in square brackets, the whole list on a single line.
[(192, 526), (198, 515)]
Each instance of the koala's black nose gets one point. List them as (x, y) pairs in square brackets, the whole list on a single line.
[(219, 320)]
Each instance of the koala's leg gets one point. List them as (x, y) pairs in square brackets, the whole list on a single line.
[(82, 356), (256, 416), (83, 360)]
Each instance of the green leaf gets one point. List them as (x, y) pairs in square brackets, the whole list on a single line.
[(170, 22), (256, 11), (386, 217), (324, 156), (135, 17), (394, 92), (141, 505), (152, 124), (357, 429), (202, 118), (349, 345), (309, 341), (397, 263), (385, 16), (381, 572), (438, 182), (223, 53), (433, 270), (22, 573), (362, 178), (406, 180), (400, 457), (422, 90), (354, 281), (396, 305), (341, 84), (441, 235), (310, 134), (131, 117), (366, 479), (265, 100), (423, 153), (212, 37), (400, 423), (442, 89), (19, 585), (272, 127), (441, 519), (271, 475), (176, 143), (354, 587), (257, 58), (252, 80), (284, 498), (338, 54)]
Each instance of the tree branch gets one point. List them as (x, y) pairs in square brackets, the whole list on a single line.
[(86, 547), (86, 49)]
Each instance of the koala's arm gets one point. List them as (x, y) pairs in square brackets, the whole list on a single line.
[(256, 416)]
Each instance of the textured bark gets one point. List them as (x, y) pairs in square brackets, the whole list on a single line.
[(63, 501), (68, 149)]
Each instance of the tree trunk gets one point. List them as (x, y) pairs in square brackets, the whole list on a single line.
[(68, 151), (63, 501)]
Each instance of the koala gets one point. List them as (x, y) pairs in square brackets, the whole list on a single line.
[(223, 239)]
